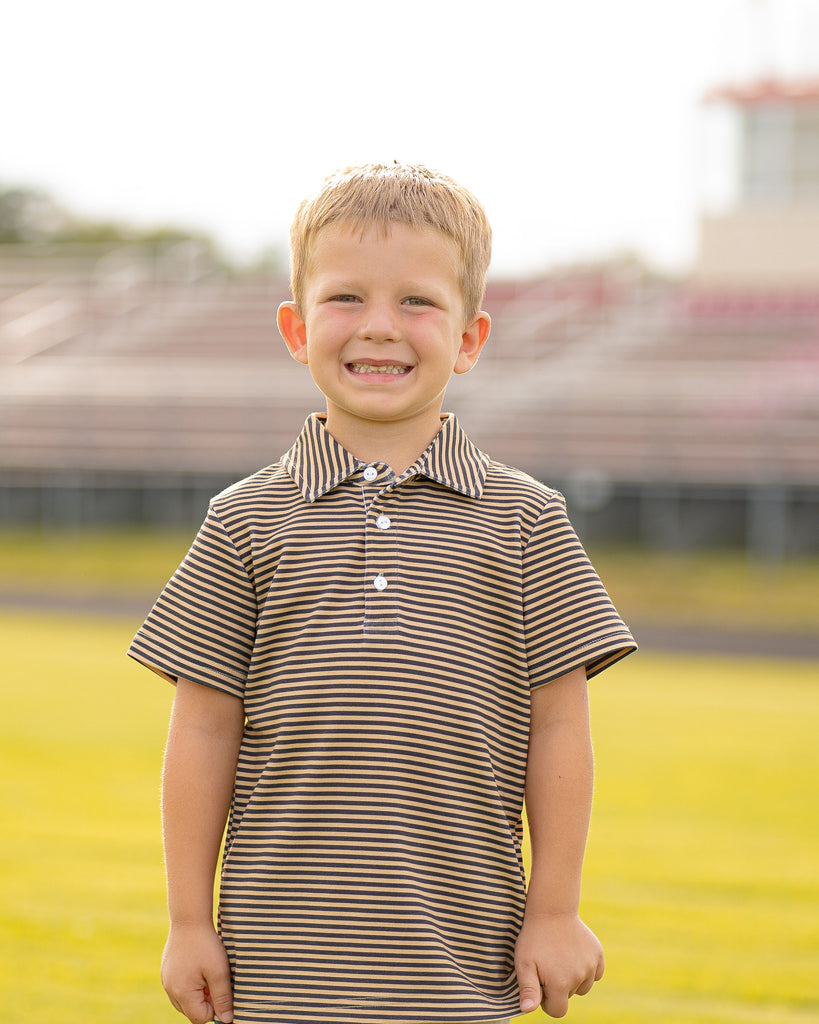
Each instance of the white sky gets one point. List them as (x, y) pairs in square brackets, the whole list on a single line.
[(576, 122)]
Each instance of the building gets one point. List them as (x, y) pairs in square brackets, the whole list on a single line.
[(767, 237)]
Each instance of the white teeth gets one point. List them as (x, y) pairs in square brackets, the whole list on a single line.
[(369, 368)]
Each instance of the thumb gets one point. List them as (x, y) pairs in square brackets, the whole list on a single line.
[(529, 985), (223, 1008), (221, 999)]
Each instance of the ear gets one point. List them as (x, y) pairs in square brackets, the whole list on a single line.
[(472, 341), (294, 331)]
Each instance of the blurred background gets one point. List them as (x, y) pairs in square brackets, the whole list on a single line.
[(651, 171)]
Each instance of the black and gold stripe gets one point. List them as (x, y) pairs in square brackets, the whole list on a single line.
[(384, 634)]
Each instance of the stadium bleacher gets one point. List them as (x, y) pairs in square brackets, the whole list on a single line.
[(126, 371)]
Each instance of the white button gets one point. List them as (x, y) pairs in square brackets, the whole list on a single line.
[(380, 582), (370, 473), (383, 522)]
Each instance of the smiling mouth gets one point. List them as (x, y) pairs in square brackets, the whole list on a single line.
[(393, 369)]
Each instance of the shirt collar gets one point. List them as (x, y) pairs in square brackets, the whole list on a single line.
[(318, 463)]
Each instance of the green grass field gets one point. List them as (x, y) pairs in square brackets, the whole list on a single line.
[(701, 874), (712, 588)]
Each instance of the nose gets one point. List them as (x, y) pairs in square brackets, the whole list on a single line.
[(379, 322)]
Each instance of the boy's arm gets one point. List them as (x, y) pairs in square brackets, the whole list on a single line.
[(557, 956), (197, 788)]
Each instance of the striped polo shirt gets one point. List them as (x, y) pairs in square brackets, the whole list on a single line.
[(384, 633)]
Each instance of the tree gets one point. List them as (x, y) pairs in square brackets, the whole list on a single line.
[(28, 215)]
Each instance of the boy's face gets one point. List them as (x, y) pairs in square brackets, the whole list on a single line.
[(382, 327)]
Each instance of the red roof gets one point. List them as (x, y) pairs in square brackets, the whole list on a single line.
[(768, 90)]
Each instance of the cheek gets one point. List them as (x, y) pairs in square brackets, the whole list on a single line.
[(329, 324)]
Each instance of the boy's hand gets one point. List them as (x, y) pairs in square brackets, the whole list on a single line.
[(556, 957), (196, 974)]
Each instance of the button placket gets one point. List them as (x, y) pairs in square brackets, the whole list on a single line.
[(380, 603)]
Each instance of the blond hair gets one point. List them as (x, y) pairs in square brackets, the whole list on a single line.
[(379, 195)]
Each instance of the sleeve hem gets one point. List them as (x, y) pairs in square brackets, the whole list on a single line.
[(204, 675), (595, 657)]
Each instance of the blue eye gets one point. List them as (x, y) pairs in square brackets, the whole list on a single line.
[(343, 298), (417, 300)]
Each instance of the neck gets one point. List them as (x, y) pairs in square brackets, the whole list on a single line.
[(397, 444)]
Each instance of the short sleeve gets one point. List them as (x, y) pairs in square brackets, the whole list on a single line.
[(203, 624), (569, 618)]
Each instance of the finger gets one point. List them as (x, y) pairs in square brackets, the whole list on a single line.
[(529, 985), (556, 1002), (586, 984), (197, 1010), (194, 1005), (584, 987)]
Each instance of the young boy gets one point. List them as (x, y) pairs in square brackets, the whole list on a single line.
[(361, 638)]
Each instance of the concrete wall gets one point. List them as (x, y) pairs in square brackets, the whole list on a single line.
[(767, 246)]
